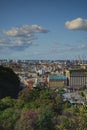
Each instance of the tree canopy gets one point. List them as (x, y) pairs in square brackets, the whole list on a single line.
[(9, 83)]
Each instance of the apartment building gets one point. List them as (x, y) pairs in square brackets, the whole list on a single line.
[(77, 77)]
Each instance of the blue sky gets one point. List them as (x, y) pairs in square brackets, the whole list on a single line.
[(43, 29)]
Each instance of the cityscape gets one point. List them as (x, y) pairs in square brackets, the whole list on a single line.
[(43, 64), (69, 75)]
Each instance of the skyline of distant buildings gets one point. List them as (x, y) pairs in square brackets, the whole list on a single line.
[(69, 75)]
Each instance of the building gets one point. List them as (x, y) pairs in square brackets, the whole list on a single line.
[(77, 78), (56, 81), (30, 83)]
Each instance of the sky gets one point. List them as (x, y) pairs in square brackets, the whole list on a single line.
[(43, 29)]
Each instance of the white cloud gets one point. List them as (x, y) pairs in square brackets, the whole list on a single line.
[(77, 24), (25, 31), (20, 37), (12, 32), (83, 46)]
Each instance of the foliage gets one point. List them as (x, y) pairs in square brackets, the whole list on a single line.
[(38, 109), (75, 109), (8, 118), (26, 95), (27, 121), (65, 123), (82, 94), (45, 118), (19, 104), (61, 90), (45, 94), (58, 104), (9, 83), (6, 102)]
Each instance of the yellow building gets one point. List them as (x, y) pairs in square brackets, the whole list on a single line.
[(56, 81)]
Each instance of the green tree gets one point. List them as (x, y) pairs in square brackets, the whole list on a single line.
[(27, 95), (9, 83), (27, 121), (8, 118), (6, 102), (58, 104), (63, 122), (45, 118)]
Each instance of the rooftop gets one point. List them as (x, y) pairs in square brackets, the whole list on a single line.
[(78, 69), (57, 77)]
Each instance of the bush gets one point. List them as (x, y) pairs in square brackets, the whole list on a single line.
[(27, 121), (8, 118)]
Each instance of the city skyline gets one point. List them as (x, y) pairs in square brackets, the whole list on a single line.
[(43, 29)]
